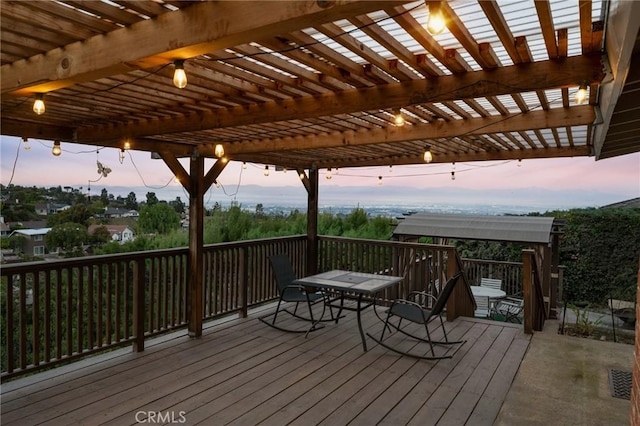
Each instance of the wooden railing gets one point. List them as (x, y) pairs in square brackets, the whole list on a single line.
[(510, 273), (424, 267), (57, 311), (535, 305)]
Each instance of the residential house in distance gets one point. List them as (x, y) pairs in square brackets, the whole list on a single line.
[(115, 212), (33, 244), (50, 208), (120, 233), (4, 228)]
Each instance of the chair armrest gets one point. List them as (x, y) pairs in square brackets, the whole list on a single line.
[(424, 297)]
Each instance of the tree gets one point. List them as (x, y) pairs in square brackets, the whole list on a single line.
[(131, 203), (158, 218), (177, 205), (100, 235), (68, 236), (104, 197), (151, 198), (78, 213)]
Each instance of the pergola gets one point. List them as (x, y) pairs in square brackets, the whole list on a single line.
[(309, 85)]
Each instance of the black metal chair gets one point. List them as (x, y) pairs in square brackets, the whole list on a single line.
[(415, 309), (294, 293)]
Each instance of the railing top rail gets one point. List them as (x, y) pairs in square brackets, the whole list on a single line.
[(389, 243), (16, 268)]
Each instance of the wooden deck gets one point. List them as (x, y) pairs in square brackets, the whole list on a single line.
[(243, 372)]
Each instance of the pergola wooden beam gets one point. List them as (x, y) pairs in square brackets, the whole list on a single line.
[(199, 29), (516, 78), (559, 117)]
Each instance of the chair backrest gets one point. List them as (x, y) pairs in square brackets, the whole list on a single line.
[(282, 270), (491, 283), (441, 302)]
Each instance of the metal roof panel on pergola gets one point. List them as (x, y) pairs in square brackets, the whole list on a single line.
[(522, 229)]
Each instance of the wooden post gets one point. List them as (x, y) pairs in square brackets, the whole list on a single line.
[(555, 275), (312, 222), (138, 305), (196, 246), (242, 282), (527, 290)]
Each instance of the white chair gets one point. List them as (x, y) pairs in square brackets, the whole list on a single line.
[(482, 307), (491, 283)]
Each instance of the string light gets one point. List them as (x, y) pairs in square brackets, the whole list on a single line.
[(38, 104), (219, 150), (27, 147), (519, 162), (453, 165), (453, 175), (179, 75), (301, 175), (436, 23), (127, 145), (266, 170), (329, 174), (398, 118), (379, 180), (428, 157), (56, 150), (581, 94), (122, 156)]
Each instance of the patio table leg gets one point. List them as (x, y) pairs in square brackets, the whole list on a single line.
[(364, 342)]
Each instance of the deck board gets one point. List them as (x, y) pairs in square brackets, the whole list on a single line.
[(242, 372)]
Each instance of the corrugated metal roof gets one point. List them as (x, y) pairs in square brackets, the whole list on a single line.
[(523, 229)]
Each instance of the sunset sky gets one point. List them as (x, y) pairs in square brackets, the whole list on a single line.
[(591, 183)]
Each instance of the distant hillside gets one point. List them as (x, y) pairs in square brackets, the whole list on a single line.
[(633, 203)]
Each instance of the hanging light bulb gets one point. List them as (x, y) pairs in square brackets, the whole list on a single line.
[(26, 145), (453, 175), (519, 162), (56, 150), (581, 94), (301, 175), (329, 174), (122, 155), (127, 145), (244, 165), (219, 150), (179, 76), (38, 104), (428, 157), (398, 118), (453, 165), (390, 168), (217, 183), (436, 23), (379, 180), (266, 170), (176, 179)]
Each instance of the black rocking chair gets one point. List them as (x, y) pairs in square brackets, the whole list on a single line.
[(289, 292), (415, 309)]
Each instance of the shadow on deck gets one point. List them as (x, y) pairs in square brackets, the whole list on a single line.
[(243, 372)]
